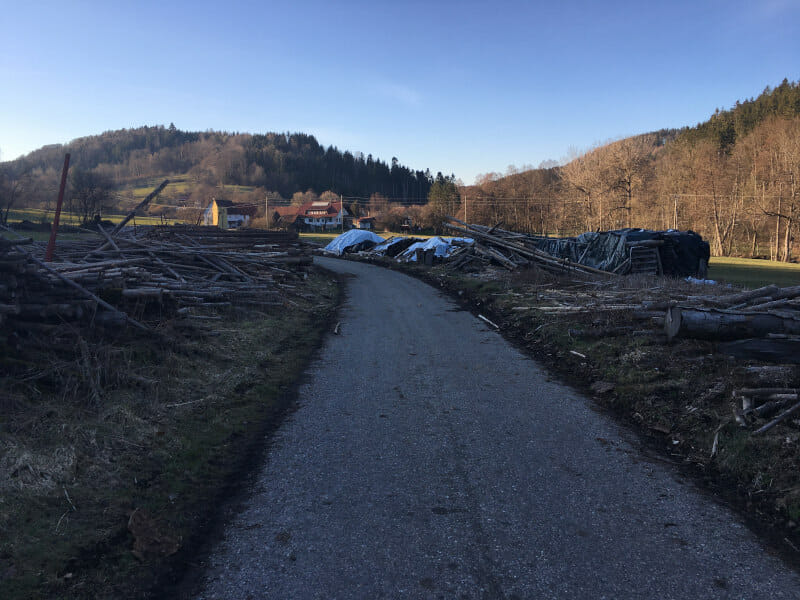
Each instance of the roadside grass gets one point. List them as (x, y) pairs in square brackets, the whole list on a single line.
[(95, 428), (753, 273)]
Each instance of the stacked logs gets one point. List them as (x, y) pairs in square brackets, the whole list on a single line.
[(511, 250), (762, 323), (775, 404), (173, 267)]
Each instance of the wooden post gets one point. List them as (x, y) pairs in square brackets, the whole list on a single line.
[(140, 206), (51, 245)]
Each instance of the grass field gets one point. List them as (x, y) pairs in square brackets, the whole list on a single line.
[(179, 185), (37, 215), (753, 273)]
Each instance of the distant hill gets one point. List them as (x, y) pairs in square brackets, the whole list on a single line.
[(278, 163)]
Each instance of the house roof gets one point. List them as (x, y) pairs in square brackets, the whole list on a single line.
[(287, 211), (247, 209), (313, 209), (320, 209)]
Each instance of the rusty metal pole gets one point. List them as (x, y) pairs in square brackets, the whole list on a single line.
[(51, 245)]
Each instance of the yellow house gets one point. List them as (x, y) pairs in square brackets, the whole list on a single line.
[(215, 214), (227, 215)]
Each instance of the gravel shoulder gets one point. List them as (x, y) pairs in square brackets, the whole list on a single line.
[(429, 458)]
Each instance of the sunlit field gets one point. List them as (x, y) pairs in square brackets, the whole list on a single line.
[(37, 215), (753, 273)]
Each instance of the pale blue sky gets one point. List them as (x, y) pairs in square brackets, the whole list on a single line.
[(459, 87)]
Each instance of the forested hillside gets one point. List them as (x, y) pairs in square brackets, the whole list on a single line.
[(279, 164), (734, 178)]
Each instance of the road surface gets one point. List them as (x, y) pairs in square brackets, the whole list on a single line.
[(428, 458)]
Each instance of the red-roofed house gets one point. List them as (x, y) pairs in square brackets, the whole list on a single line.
[(311, 216)]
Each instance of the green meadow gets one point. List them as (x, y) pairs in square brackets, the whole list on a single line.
[(753, 273)]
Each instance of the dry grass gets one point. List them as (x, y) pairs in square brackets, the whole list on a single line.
[(94, 427)]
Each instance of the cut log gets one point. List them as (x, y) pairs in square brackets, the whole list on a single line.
[(744, 297), (773, 406), (763, 392), (711, 324), (784, 415), (770, 373), (782, 351)]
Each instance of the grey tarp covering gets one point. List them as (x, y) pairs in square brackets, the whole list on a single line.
[(442, 247), (681, 252), (354, 240), (394, 246)]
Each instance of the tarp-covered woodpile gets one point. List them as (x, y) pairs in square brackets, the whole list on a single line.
[(174, 268), (592, 254), (404, 249), (677, 253), (355, 240), (511, 250)]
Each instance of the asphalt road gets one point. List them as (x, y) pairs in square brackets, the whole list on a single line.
[(430, 459)]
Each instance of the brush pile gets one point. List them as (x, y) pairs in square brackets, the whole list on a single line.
[(172, 269)]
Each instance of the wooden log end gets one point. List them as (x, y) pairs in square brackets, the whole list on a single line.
[(672, 322)]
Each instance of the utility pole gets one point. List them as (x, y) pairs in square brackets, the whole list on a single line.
[(266, 210), (341, 210), (51, 245), (675, 213)]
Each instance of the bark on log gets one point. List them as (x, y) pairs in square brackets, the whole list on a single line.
[(718, 325), (770, 373), (736, 299), (784, 415), (781, 351)]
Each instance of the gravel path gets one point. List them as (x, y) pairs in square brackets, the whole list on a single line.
[(430, 459)]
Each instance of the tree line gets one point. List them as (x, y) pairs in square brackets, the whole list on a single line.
[(735, 179), (276, 164)]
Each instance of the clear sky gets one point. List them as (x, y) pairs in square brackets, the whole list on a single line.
[(455, 86)]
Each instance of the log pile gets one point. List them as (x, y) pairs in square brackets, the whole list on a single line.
[(174, 268), (757, 404), (615, 309), (511, 250), (762, 323)]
